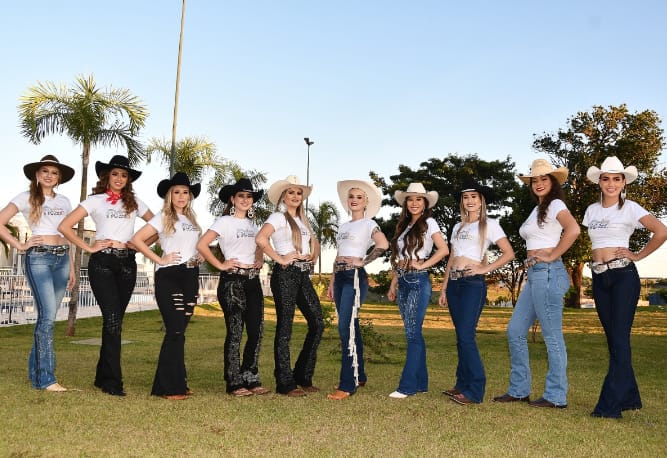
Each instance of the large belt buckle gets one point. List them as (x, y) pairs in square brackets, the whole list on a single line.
[(191, 263), (599, 267), (530, 262)]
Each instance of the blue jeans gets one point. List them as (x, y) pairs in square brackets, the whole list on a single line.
[(616, 294), (344, 297), (47, 275), (541, 298), (414, 294), (466, 297)]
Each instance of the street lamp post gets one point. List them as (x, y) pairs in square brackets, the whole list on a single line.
[(308, 143)]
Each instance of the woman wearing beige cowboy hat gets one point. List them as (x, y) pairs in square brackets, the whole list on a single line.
[(611, 222), (349, 284), (286, 238), (412, 255), (112, 268), (549, 232), (48, 266)]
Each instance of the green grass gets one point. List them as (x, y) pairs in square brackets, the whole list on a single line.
[(87, 422)]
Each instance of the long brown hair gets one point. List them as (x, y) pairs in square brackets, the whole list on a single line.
[(129, 201), (36, 200), (414, 238), (296, 232), (556, 192)]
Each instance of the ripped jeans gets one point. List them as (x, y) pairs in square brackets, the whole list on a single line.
[(176, 290), (414, 294), (112, 280), (242, 302)]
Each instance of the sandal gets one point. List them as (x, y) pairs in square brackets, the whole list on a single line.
[(55, 388), (241, 392), (259, 390), (338, 395)]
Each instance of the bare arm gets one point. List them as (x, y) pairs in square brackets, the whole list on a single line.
[(5, 215), (262, 240), (659, 230), (442, 250), (66, 228), (381, 245), (139, 243), (571, 231)]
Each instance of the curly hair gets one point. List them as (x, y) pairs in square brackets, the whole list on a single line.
[(414, 233), (128, 198), (556, 192)]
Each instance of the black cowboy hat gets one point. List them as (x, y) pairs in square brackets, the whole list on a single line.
[(179, 178), (117, 162), (245, 185), (470, 184), (66, 172)]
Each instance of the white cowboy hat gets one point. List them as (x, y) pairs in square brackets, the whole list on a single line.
[(417, 189), (292, 181), (541, 167), (612, 165), (373, 195)]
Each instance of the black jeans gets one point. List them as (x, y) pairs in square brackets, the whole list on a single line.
[(292, 288), (112, 280), (616, 293), (176, 291), (242, 302)]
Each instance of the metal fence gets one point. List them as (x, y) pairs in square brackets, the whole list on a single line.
[(17, 306)]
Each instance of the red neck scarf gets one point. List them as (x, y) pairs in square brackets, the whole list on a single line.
[(113, 197)]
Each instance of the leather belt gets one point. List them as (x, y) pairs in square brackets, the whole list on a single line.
[(58, 250), (119, 252)]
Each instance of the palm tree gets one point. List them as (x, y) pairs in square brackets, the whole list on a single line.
[(12, 230), (90, 116), (324, 222)]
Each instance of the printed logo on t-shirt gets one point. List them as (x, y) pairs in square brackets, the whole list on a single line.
[(187, 227), (53, 211), (244, 233), (116, 214), (599, 224), (344, 236), (464, 234)]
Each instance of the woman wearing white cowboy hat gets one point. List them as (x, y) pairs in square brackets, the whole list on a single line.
[(611, 222), (176, 278), (286, 238), (239, 290), (48, 266), (549, 232), (349, 284), (112, 269), (464, 285), (417, 233)]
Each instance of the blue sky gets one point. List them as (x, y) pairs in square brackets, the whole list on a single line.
[(375, 84)]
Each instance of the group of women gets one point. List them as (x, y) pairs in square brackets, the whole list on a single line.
[(286, 237)]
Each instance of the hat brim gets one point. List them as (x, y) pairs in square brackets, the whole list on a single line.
[(277, 188), (488, 193), (560, 174), (230, 190), (372, 193), (431, 197), (630, 173), (66, 172), (101, 167), (165, 185)]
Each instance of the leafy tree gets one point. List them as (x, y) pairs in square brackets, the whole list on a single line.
[(90, 116), (589, 137), (324, 222)]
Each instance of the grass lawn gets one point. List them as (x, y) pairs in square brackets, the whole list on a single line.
[(86, 422)]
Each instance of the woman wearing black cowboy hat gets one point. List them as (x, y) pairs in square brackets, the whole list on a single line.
[(176, 278), (239, 290), (464, 286), (112, 269), (48, 267)]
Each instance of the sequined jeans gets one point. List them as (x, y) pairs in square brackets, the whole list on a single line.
[(242, 303), (112, 280), (292, 288), (176, 290), (47, 275)]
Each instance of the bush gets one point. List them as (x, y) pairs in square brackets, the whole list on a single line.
[(383, 280)]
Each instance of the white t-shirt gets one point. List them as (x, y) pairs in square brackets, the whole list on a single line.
[(236, 238), (425, 252), (54, 211), (466, 241), (184, 238), (548, 235), (282, 237), (613, 226), (355, 237), (111, 221)]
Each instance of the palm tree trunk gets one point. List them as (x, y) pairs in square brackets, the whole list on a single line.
[(74, 298)]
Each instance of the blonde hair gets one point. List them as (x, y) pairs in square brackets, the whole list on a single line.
[(170, 217), (296, 232), (365, 197), (37, 198), (481, 227)]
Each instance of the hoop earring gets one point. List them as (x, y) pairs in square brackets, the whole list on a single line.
[(623, 194), (250, 213), (232, 211)]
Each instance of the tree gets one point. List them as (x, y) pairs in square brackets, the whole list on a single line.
[(90, 116), (324, 222), (14, 232), (446, 176), (589, 137)]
